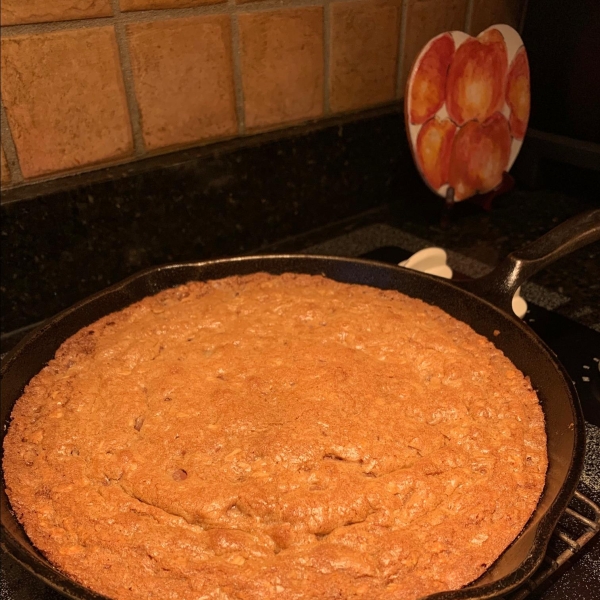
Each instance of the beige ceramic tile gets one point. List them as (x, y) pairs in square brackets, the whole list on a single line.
[(282, 65), (16, 12), (127, 5), (4, 170), (424, 20), (364, 54), (65, 99), (493, 12), (183, 77)]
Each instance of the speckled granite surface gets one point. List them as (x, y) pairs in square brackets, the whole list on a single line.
[(518, 218), (68, 243)]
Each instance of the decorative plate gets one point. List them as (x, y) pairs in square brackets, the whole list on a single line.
[(467, 106)]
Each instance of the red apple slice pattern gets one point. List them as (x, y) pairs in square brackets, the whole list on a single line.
[(518, 94), (476, 78), (434, 145), (427, 86), (479, 157)]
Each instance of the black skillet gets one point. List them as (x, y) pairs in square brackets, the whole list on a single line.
[(485, 304)]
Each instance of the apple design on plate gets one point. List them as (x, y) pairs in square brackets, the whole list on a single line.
[(428, 91), (434, 146), (476, 78), (518, 94), (467, 107), (479, 156)]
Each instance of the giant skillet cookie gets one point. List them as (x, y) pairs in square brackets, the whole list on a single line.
[(264, 436)]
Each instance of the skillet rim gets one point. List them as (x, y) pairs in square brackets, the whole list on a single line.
[(43, 570)]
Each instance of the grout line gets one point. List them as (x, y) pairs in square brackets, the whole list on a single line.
[(238, 83), (469, 17), (140, 16), (401, 57), (135, 119), (37, 28), (283, 4), (10, 150), (326, 58), (229, 7)]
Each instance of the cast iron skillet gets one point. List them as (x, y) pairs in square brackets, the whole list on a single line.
[(485, 304)]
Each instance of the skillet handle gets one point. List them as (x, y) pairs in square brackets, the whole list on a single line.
[(499, 286)]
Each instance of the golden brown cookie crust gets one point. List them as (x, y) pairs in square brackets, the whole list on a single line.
[(265, 437)]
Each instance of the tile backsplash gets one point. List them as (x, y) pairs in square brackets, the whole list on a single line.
[(183, 78), (89, 83)]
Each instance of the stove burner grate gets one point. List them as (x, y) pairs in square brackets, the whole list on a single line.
[(573, 532)]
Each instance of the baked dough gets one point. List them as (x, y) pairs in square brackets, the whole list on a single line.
[(265, 437)]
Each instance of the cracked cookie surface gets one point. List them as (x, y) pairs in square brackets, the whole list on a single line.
[(268, 436)]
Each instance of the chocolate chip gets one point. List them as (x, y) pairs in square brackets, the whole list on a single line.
[(138, 423), (167, 399), (179, 475)]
